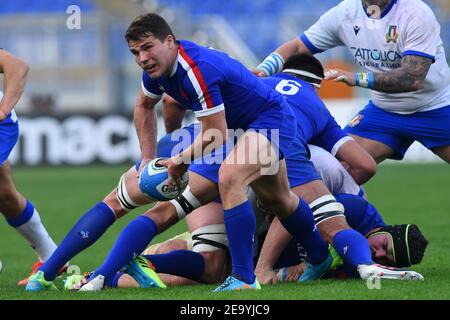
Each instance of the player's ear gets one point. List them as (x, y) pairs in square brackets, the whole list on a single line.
[(170, 39)]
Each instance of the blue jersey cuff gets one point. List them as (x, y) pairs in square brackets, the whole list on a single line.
[(309, 44), (420, 54)]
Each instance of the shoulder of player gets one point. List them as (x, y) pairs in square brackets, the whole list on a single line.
[(417, 11)]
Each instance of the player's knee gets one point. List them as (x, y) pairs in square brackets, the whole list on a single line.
[(128, 193), (112, 201), (211, 242), (163, 215), (215, 266), (282, 204), (369, 169), (228, 180), (9, 202)]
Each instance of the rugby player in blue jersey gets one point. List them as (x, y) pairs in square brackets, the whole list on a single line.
[(317, 125), (18, 211)]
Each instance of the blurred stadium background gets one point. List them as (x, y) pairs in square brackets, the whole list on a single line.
[(83, 80)]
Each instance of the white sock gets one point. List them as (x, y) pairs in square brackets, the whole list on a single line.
[(35, 233)]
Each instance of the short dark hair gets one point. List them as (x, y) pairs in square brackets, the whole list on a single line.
[(305, 62), (148, 24)]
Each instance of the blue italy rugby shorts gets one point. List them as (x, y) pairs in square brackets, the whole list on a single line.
[(9, 134), (399, 131)]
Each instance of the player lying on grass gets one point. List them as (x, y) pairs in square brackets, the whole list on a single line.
[(18, 211), (395, 246), (224, 95)]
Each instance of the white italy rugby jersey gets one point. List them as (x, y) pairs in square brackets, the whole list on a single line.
[(406, 27)]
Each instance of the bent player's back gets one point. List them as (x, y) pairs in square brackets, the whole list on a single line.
[(311, 113)]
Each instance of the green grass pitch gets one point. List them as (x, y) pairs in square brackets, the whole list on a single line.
[(403, 194)]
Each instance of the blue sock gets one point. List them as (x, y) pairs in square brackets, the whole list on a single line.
[(240, 225), (23, 218), (85, 232), (300, 224), (131, 242), (352, 247), (182, 263)]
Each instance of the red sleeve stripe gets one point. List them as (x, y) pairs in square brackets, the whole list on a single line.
[(196, 78)]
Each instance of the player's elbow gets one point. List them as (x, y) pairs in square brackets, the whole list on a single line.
[(365, 171), (369, 169), (21, 67)]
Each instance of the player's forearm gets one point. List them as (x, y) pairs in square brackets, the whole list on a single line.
[(408, 78), (146, 128), (208, 140), (276, 240), (15, 73), (274, 62), (295, 46), (397, 81), (173, 114)]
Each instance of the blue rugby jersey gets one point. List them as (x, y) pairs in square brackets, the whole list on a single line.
[(313, 118), (208, 81)]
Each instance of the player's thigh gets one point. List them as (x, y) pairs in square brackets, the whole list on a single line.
[(274, 192), (216, 266), (202, 188), (208, 214), (251, 157), (443, 153), (311, 191), (378, 150), (163, 214)]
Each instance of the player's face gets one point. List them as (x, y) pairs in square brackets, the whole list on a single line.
[(381, 248), (154, 56)]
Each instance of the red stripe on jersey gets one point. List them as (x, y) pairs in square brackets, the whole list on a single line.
[(198, 76)]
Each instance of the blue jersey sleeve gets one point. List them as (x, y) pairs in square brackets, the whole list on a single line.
[(331, 138), (359, 213), (150, 87)]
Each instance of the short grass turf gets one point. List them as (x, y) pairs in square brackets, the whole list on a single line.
[(403, 194)]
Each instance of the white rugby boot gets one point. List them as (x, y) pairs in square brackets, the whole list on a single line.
[(378, 271)]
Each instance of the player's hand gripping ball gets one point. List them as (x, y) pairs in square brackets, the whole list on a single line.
[(153, 182)]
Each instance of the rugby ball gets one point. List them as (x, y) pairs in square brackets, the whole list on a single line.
[(153, 182)]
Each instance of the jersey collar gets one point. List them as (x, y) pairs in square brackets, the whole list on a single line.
[(175, 66)]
